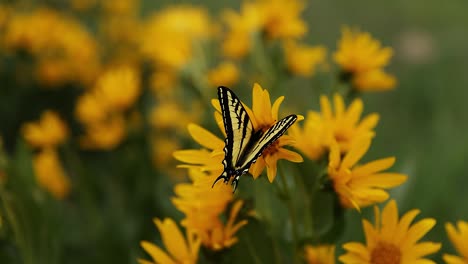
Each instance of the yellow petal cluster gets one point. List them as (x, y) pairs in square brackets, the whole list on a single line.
[(333, 125), (180, 249), (241, 26), (225, 74), (458, 235), (49, 131), (302, 59), (320, 254), (50, 173), (64, 50), (361, 185), (392, 240), (362, 57), (281, 18), (169, 35), (101, 108)]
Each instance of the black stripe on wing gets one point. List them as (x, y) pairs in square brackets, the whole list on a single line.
[(270, 136)]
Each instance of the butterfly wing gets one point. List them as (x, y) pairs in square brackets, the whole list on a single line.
[(238, 127), (270, 136)]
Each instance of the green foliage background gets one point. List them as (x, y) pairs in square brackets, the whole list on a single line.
[(423, 123)]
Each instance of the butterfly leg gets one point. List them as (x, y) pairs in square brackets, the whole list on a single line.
[(222, 176), (234, 183)]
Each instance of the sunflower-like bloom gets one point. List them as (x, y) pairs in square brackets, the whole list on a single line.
[(225, 74), (72, 53), (118, 89), (50, 173), (343, 125), (49, 131), (392, 240), (237, 42), (459, 239), (302, 59), (361, 185), (202, 205), (281, 18), (180, 249), (174, 29), (222, 236), (321, 254), (104, 135), (362, 57), (311, 139)]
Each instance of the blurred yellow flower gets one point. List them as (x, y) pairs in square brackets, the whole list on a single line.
[(361, 185), (362, 57), (238, 40), (174, 29), (302, 59), (162, 83), (310, 139), (118, 88), (320, 254), (65, 50), (222, 236), (118, 7), (343, 126), (49, 131), (392, 240), (374, 80), (281, 18), (104, 135), (163, 149), (225, 74), (180, 249), (169, 114), (459, 239), (89, 108), (50, 174)]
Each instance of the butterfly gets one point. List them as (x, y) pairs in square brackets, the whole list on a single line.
[(244, 145)]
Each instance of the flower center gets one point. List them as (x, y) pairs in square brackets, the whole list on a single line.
[(385, 253), (272, 149)]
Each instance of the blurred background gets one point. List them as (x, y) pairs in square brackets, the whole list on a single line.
[(423, 122)]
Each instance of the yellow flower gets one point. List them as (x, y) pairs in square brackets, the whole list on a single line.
[(392, 240), (50, 174), (225, 74), (162, 149), (310, 139), (343, 125), (104, 135), (264, 115), (169, 114), (321, 254), (89, 108), (200, 203), (363, 57), (237, 43), (280, 18), (459, 239), (118, 88), (222, 237), (302, 59), (163, 82), (209, 159), (361, 185), (374, 80), (174, 29), (49, 131), (66, 41), (180, 250)]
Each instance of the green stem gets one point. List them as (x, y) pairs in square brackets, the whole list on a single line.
[(292, 213)]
